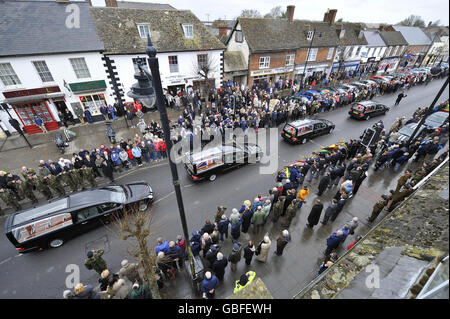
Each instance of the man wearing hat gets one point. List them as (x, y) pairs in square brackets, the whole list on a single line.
[(401, 195), (403, 179), (235, 255), (244, 281), (378, 207), (209, 285), (129, 270), (95, 261)]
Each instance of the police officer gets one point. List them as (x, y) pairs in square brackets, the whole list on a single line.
[(378, 208), (9, 198), (95, 261), (244, 280)]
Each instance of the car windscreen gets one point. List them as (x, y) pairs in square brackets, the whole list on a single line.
[(437, 118), (117, 193), (289, 129), (406, 130), (358, 107)]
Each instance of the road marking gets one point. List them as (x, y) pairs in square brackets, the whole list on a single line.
[(6, 260), (172, 192), (316, 143)]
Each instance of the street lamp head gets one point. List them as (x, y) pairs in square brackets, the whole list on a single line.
[(143, 90), (150, 50)]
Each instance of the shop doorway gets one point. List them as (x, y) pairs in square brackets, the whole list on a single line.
[(28, 112), (175, 89)]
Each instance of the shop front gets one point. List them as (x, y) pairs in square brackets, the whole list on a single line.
[(91, 95), (33, 103), (388, 64), (261, 77), (346, 66), (311, 69), (174, 84)]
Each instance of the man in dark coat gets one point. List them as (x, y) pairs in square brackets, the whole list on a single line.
[(399, 98), (339, 206), (333, 241), (323, 184), (331, 209), (246, 220), (314, 215), (249, 251), (107, 170), (219, 265)]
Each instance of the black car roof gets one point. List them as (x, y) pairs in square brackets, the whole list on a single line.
[(305, 122), (66, 204)]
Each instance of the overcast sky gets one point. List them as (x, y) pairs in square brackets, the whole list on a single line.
[(370, 11)]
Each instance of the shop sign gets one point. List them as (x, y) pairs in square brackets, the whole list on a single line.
[(30, 92), (89, 86), (272, 71)]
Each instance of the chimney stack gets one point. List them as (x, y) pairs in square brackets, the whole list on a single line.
[(290, 13), (430, 23), (111, 3), (330, 16)]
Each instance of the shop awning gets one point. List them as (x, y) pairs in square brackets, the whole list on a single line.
[(36, 97)]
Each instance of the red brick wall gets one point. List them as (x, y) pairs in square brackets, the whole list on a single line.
[(277, 59), (322, 55)]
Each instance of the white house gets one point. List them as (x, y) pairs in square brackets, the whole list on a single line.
[(375, 48), (352, 46), (182, 42), (49, 67)]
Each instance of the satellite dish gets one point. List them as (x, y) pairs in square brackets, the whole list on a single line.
[(435, 71)]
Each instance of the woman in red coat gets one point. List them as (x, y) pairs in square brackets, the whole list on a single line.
[(130, 155), (163, 148)]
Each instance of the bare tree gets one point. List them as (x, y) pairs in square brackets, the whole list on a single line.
[(276, 13), (413, 21), (205, 67), (134, 226), (250, 13)]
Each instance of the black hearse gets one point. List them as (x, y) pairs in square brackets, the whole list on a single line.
[(51, 224), (212, 161), (367, 109), (301, 131)]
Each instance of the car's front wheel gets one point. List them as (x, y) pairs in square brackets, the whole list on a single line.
[(55, 243), (212, 177), (304, 140), (143, 205), (330, 130)]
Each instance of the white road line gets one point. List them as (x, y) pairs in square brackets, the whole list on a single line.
[(6, 260), (316, 143), (162, 198)]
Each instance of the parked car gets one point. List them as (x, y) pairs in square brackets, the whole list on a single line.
[(337, 89), (435, 120), (52, 224), (367, 109), (406, 132), (210, 162), (380, 79), (301, 131), (368, 82), (309, 94), (348, 87), (359, 85)]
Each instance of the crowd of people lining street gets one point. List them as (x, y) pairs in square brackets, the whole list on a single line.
[(345, 165)]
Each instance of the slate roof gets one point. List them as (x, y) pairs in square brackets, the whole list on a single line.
[(280, 34), (351, 34), (117, 28), (393, 38), (413, 35), (144, 5), (234, 61), (39, 27), (373, 38)]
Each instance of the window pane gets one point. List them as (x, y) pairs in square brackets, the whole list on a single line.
[(80, 68), (7, 75), (43, 71), (173, 63)]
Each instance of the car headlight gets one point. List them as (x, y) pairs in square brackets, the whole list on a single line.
[(150, 196)]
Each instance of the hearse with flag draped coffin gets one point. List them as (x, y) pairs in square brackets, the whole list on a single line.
[(301, 131), (212, 161)]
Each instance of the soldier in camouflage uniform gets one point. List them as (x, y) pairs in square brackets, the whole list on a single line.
[(77, 178), (278, 208), (55, 183), (67, 178), (43, 171), (89, 175), (220, 211), (26, 189), (9, 198), (95, 261), (42, 187), (291, 210)]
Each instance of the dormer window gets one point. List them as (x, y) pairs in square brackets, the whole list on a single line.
[(310, 35), (144, 30), (341, 35), (188, 31)]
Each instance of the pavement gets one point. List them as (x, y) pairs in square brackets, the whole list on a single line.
[(284, 275)]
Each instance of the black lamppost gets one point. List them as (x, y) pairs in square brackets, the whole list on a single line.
[(149, 90), (307, 57)]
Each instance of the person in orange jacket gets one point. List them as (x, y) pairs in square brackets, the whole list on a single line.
[(301, 196)]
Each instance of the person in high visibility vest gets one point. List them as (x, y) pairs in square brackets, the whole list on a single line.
[(243, 282)]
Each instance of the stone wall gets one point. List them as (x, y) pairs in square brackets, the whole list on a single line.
[(419, 227)]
